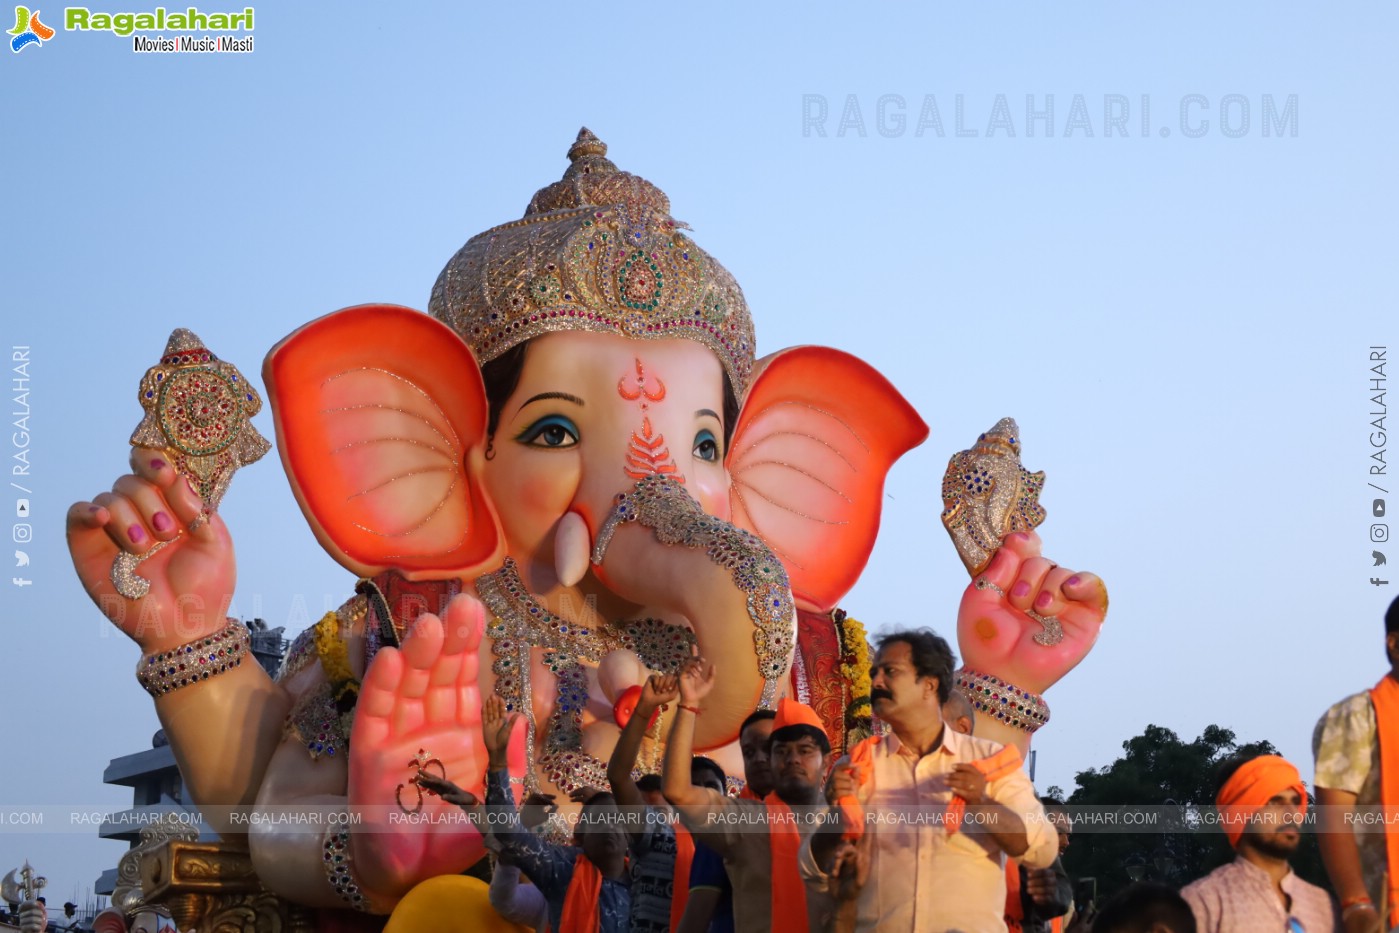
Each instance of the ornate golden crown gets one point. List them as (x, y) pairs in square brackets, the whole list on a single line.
[(596, 251)]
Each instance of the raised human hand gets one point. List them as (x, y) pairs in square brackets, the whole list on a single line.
[(497, 726), (696, 680), (420, 713), (658, 690), (997, 637), (191, 575)]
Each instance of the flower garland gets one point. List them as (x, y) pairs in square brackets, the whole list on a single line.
[(335, 660), (855, 670)]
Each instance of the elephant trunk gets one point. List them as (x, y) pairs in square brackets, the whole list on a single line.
[(725, 581)]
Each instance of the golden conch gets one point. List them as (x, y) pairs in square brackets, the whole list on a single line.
[(199, 409), (987, 494)]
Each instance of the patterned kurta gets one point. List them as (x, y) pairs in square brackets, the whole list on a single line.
[(1346, 745), (1240, 898)]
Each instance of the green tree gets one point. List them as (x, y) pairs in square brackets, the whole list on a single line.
[(1158, 770)]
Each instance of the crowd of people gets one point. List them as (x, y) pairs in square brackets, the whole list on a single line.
[(923, 827)]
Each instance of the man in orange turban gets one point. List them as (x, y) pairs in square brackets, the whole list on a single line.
[(1261, 803)]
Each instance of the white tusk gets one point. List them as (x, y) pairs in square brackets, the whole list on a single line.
[(571, 549)]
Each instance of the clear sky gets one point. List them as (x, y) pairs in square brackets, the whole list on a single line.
[(1179, 317)]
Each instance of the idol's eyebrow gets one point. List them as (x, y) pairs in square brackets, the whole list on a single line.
[(705, 411), (543, 396)]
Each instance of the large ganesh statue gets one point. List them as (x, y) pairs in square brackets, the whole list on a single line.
[(507, 476)]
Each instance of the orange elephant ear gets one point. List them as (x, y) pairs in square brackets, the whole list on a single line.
[(817, 434), (378, 410)]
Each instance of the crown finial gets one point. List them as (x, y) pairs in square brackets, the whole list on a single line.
[(586, 144), (592, 180)]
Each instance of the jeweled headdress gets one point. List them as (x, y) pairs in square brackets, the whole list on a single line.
[(596, 251)]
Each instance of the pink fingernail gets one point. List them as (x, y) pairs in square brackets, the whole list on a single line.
[(162, 522), (136, 533), (1021, 537), (1020, 589), (157, 464), (1042, 601), (94, 508), (1072, 581)]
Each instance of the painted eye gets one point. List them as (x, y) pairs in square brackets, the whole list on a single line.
[(706, 447), (554, 431)]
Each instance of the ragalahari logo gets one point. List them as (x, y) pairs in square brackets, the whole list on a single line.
[(28, 30)]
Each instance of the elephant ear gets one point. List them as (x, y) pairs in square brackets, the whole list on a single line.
[(380, 412), (817, 434)]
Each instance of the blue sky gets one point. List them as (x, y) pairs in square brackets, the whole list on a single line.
[(1180, 324)]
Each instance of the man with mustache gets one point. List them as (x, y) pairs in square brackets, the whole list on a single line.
[(759, 839), (944, 809)]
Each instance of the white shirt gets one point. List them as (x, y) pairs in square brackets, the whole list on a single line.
[(922, 878)]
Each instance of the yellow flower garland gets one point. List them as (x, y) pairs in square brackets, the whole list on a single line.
[(855, 670), (334, 656), (855, 663)]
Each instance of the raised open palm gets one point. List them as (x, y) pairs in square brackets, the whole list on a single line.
[(419, 710)]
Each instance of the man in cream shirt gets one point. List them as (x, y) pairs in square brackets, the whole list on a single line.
[(924, 875)]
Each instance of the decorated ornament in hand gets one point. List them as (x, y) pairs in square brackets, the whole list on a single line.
[(987, 494)]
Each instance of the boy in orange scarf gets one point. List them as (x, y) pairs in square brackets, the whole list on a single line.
[(1356, 745)]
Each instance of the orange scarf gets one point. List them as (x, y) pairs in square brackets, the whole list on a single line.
[(1015, 910), (1000, 765), (788, 892), (1385, 698), (581, 907), (862, 765), (680, 889)]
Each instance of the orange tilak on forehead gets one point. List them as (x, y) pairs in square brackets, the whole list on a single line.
[(647, 453)]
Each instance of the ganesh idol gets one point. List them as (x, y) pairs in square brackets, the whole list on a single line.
[(570, 473)]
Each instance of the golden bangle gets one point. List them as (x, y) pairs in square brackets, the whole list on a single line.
[(195, 660)]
